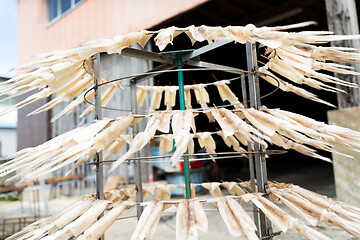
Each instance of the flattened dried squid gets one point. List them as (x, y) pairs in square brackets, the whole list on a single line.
[(190, 217), (78, 145)]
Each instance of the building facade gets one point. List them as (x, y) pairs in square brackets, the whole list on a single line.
[(63, 24), (49, 25), (8, 125)]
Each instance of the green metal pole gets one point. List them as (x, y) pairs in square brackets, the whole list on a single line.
[(179, 65)]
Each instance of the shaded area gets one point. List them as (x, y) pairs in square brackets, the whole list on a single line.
[(291, 167)]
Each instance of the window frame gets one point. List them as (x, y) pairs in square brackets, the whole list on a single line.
[(60, 15)]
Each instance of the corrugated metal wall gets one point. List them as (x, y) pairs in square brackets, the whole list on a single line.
[(112, 67)]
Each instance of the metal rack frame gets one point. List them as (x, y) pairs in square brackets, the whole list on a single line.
[(257, 161)]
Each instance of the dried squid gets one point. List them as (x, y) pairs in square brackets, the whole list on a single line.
[(78, 145), (293, 55), (190, 217)]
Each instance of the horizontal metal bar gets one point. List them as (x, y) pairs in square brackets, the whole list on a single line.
[(213, 65), (181, 160), (158, 57), (158, 68), (231, 154), (204, 49), (142, 54)]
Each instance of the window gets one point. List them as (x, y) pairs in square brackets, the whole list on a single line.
[(52, 9), (7, 100), (57, 8), (65, 5)]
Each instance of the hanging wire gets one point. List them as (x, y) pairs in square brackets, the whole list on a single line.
[(233, 154), (167, 214), (161, 71), (206, 84), (235, 71), (195, 134), (164, 161), (178, 70), (207, 200)]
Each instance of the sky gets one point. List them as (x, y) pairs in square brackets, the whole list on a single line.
[(8, 37)]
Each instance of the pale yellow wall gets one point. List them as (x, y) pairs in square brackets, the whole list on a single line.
[(90, 20)]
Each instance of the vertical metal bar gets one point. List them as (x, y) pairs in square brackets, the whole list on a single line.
[(250, 147), (254, 92), (4, 223), (250, 156), (45, 196), (246, 105), (38, 200), (263, 224), (244, 89), (179, 65), (98, 115), (34, 201), (137, 164), (34, 206)]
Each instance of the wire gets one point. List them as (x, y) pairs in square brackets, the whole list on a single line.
[(162, 71), (233, 154), (196, 159), (177, 70), (277, 87), (202, 84), (204, 200), (195, 134)]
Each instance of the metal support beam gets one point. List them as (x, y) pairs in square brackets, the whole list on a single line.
[(213, 65), (203, 50), (244, 89), (98, 115), (137, 164), (45, 195), (170, 60), (179, 65), (158, 68), (146, 55), (259, 166)]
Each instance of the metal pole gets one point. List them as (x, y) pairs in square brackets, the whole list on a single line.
[(38, 200), (137, 164), (179, 65), (250, 156), (34, 201), (263, 224), (98, 156), (45, 196)]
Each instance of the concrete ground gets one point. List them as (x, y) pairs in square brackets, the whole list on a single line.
[(318, 179)]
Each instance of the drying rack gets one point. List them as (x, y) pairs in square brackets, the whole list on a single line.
[(177, 59)]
